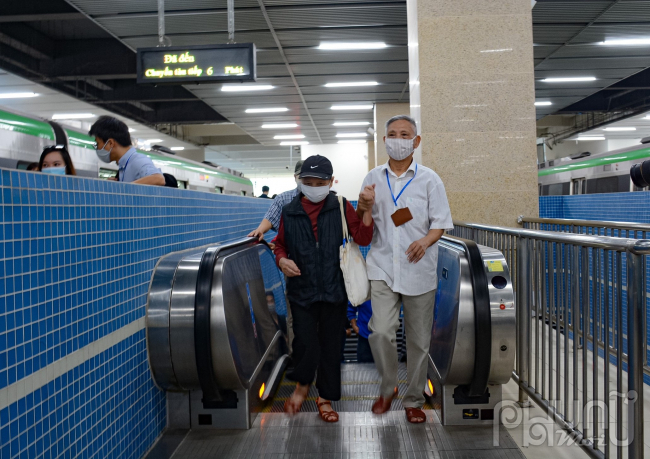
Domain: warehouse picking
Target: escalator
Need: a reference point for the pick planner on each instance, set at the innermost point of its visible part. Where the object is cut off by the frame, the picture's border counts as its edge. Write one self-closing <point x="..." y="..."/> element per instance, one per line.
<point x="216" y="336"/>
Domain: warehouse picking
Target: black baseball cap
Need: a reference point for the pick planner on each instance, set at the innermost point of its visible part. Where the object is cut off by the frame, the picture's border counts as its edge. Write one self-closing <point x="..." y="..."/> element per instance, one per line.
<point x="296" y="169"/>
<point x="317" y="166"/>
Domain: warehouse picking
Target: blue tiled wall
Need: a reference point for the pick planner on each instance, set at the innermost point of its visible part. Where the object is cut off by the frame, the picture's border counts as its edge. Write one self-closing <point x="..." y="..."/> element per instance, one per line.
<point x="76" y="257"/>
<point x="624" y="207"/>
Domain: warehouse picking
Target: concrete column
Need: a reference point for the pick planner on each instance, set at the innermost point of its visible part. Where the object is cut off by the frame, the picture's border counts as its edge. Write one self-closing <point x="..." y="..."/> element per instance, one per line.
<point x="472" y="92"/>
<point x="383" y="112"/>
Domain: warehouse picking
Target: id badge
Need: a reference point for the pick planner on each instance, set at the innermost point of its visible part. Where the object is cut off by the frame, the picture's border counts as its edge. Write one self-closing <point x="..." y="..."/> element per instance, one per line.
<point x="402" y="216"/>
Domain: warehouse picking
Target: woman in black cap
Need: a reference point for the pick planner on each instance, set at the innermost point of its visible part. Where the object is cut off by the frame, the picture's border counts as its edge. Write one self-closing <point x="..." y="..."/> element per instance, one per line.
<point x="307" y="251"/>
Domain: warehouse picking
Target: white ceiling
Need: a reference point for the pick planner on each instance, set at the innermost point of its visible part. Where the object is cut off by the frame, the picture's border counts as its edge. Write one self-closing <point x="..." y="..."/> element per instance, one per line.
<point x="48" y="102"/>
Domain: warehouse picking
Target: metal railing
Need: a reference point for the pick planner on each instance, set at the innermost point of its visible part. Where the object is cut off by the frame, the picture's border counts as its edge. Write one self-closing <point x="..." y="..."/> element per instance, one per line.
<point x="593" y="227"/>
<point x="580" y="303"/>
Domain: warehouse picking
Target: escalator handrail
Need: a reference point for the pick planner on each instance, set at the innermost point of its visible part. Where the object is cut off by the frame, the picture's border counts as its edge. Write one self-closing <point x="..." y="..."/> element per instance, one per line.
<point x="202" y="308"/>
<point x="482" y="316"/>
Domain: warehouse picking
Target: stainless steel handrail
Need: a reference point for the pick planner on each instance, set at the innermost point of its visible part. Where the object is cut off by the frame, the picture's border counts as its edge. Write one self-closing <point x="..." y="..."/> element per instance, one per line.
<point x="628" y="226"/>
<point x="572" y="286"/>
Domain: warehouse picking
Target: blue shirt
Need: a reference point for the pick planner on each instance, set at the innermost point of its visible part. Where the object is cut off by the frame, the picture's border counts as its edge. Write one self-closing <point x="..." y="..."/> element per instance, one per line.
<point x="275" y="211"/>
<point x="364" y="312"/>
<point x="134" y="166"/>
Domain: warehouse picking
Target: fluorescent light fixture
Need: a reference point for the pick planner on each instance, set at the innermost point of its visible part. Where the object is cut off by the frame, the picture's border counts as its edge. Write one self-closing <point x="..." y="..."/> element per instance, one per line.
<point x="543" y="104"/>
<point x="178" y="148"/>
<point x="72" y="116"/>
<point x="287" y="143"/>
<point x="131" y="130"/>
<point x="347" y="46"/>
<point x="279" y="126"/>
<point x="627" y="42"/>
<point x="267" y="110"/>
<point x="246" y="87"/>
<point x="352" y="107"/>
<point x="647" y="117"/>
<point x="352" y="134"/>
<point x="568" y="80"/>
<point x="350" y="84"/>
<point x="593" y="137"/>
<point x="287" y="137"/>
<point x="619" y="129"/>
<point x="152" y="140"/>
<point x="17" y="95"/>
<point x="352" y="123"/>
<point x="352" y="141"/>
<point x="502" y="50"/>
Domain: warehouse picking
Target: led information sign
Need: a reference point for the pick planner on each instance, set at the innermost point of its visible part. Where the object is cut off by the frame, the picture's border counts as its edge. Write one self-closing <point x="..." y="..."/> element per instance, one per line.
<point x="197" y="64"/>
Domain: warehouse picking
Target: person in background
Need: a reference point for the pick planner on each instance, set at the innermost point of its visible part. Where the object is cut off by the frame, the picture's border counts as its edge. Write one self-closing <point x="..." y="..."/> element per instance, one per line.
<point x="272" y="218"/>
<point x="307" y="252"/>
<point x="56" y="160"/>
<point x="265" y="192"/>
<point x="32" y="167"/>
<point x="113" y="143"/>
<point x="359" y="318"/>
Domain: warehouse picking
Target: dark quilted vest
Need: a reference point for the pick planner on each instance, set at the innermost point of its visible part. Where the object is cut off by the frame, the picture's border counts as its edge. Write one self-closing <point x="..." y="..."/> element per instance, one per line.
<point x="321" y="277"/>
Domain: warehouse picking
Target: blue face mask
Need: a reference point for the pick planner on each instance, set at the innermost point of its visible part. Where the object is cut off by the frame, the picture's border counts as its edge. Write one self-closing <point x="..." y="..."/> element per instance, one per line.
<point x="103" y="155"/>
<point x="54" y="170"/>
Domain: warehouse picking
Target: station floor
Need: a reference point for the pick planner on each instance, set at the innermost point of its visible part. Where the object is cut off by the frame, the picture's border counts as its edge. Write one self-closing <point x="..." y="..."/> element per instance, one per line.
<point x="358" y="434"/>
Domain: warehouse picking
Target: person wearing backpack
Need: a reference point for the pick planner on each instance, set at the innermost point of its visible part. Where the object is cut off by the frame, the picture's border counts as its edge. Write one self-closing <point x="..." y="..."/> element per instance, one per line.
<point x="307" y="252"/>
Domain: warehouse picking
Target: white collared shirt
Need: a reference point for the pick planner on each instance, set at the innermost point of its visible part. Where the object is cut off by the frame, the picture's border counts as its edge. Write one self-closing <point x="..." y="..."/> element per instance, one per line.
<point x="426" y="199"/>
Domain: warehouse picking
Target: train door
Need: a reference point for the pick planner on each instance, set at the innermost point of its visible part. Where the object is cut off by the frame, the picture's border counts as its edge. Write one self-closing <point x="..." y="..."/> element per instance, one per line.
<point x="579" y="186"/>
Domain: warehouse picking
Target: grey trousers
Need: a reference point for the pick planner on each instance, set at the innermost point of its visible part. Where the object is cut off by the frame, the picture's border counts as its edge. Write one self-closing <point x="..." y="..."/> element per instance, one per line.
<point x="418" y="321"/>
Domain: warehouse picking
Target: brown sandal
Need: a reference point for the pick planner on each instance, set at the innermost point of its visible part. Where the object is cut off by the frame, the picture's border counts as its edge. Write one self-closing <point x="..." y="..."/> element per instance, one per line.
<point x="327" y="416"/>
<point x="415" y="415"/>
<point x="382" y="404"/>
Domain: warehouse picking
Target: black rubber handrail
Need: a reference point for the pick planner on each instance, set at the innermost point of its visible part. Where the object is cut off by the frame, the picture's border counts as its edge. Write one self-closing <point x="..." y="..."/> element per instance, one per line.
<point x="202" y="342"/>
<point x="482" y="317"/>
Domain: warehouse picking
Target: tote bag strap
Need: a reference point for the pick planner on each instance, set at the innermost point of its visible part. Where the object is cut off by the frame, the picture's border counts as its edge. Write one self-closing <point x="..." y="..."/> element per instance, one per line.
<point x="346" y="235"/>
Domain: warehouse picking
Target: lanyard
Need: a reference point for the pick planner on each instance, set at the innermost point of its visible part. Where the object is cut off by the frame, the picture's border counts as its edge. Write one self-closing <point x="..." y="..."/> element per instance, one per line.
<point x="125" y="166"/>
<point x="405" y="186"/>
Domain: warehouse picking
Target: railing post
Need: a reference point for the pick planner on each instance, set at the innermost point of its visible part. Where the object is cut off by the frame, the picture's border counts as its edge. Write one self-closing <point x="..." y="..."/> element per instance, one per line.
<point x="635" y="350"/>
<point x="523" y="316"/>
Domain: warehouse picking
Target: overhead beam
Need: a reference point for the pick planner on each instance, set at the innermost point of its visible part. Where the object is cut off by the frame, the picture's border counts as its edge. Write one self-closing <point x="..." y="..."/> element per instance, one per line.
<point x="41" y="17"/>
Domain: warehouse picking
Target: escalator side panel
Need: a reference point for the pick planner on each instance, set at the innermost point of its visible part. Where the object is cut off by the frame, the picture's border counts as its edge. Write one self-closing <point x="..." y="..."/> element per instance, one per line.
<point x="242" y="328"/>
<point x="157" y="322"/>
<point x="181" y="331"/>
<point x="452" y="343"/>
<point x="503" y="320"/>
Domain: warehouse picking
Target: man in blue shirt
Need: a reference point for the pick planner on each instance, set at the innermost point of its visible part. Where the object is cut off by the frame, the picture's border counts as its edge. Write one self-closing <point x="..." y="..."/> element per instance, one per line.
<point x="113" y="143"/>
<point x="272" y="218"/>
<point x="359" y="318"/>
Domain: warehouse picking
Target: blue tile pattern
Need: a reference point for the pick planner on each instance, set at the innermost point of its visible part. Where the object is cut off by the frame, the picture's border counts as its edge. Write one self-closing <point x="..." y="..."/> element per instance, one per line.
<point x="76" y="258"/>
<point x="106" y="407"/>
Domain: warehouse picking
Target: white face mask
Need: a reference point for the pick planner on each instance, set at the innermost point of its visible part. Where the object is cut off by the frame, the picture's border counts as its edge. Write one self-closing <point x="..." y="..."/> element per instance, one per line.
<point x="315" y="193"/>
<point x="399" y="149"/>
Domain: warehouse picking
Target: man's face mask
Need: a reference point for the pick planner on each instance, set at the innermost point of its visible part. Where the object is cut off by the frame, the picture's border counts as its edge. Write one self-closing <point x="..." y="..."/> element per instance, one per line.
<point x="103" y="155"/>
<point x="399" y="149"/>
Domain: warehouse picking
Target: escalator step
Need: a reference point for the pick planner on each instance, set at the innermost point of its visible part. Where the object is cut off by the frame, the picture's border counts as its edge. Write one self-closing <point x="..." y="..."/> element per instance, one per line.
<point x="359" y="389"/>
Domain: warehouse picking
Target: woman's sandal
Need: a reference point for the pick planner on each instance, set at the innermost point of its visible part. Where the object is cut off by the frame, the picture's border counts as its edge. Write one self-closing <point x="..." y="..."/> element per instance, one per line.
<point x="327" y="416"/>
<point x="382" y="404"/>
<point x="415" y="415"/>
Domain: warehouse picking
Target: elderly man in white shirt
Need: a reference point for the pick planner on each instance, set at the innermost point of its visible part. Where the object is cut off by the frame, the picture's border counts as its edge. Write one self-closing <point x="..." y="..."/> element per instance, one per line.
<point x="411" y="213"/>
